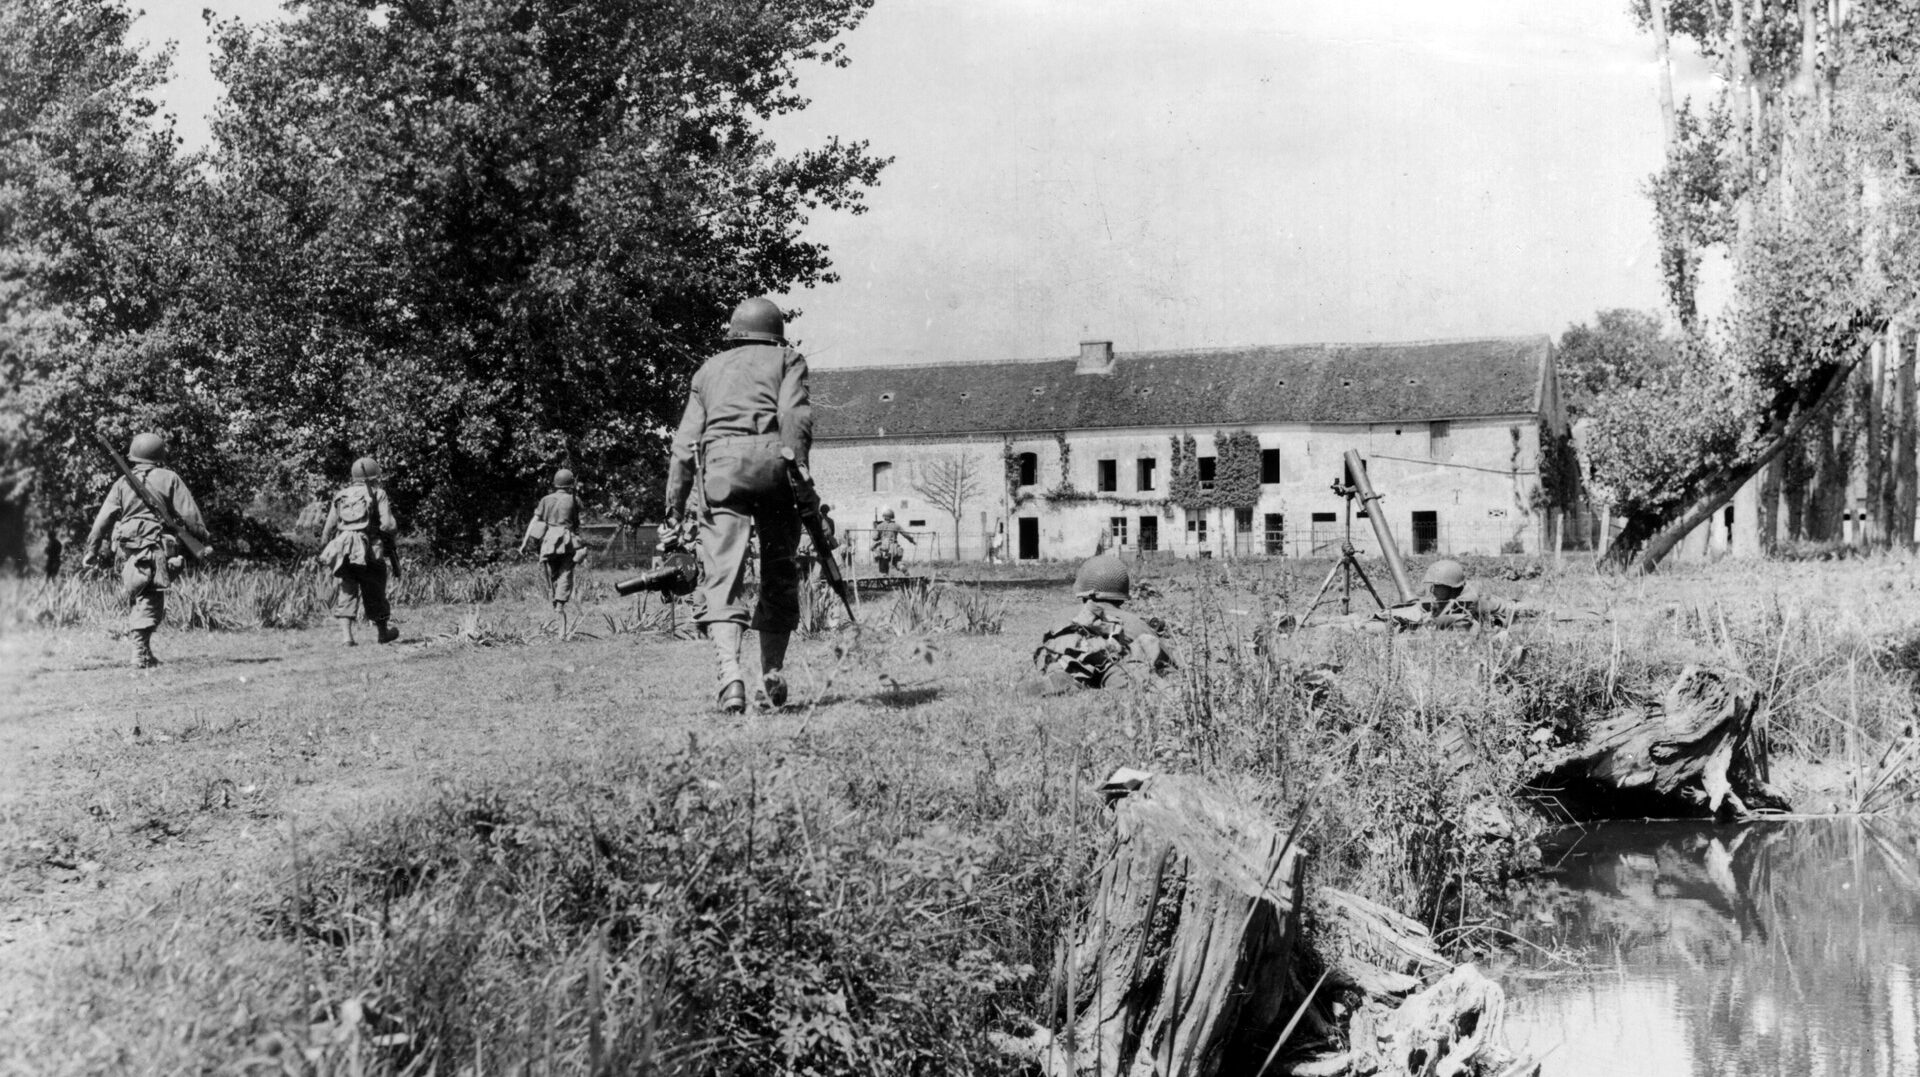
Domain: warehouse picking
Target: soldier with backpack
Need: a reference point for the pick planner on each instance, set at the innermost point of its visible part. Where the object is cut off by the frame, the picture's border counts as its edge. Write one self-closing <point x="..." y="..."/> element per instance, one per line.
<point x="357" y="547"/>
<point x="150" y="555"/>
<point x="556" y="527"/>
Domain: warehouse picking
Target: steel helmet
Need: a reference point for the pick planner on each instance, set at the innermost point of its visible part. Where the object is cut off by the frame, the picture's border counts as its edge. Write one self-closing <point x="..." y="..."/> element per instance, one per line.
<point x="1447" y="573"/>
<point x="366" y="468"/>
<point x="886" y="514"/>
<point x="563" y="479"/>
<point x="758" y="319"/>
<point x="148" y="448"/>
<point x="1104" y="577"/>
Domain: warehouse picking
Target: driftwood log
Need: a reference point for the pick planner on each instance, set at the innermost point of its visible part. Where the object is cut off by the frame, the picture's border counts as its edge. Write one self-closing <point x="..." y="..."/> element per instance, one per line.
<point x="1692" y="746"/>
<point x="1187" y="961"/>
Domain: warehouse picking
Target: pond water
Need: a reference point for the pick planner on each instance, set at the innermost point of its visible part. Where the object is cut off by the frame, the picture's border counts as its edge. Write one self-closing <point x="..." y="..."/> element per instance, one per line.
<point x="1785" y="948"/>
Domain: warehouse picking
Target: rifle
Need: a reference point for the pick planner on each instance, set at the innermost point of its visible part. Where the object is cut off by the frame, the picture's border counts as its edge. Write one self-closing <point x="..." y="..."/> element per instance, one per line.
<point x="807" y="500"/>
<point x="170" y="522"/>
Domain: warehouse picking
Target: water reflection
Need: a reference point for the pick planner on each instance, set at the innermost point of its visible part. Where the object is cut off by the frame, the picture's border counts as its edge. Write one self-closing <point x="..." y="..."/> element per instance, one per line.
<point x="1771" y="949"/>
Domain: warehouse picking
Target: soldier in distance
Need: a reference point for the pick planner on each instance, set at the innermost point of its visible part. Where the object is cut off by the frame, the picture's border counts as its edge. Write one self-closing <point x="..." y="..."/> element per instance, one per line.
<point x="356" y="546"/>
<point x="887" y="534"/>
<point x="556" y="527"/>
<point x="744" y="406"/>
<point x="149" y="555"/>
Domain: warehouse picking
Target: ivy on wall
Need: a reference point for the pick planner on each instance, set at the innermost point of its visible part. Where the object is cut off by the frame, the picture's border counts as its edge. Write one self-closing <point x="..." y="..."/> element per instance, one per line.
<point x="1236" y="472"/>
<point x="1559" y="472"/>
<point x="1183" y="476"/>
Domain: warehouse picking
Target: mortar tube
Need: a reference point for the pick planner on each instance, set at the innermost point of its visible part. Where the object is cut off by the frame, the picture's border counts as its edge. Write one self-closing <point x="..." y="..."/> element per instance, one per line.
<point x="1370" y="501"/>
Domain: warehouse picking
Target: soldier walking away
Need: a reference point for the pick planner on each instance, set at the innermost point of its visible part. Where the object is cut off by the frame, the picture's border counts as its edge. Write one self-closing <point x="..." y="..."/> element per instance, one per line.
<point x="149" y="554"/>
<point x="745" y="405"/>
<point x="357" y="546"/>
<point x="556" y="527"/>
<point x="886" y="542"/>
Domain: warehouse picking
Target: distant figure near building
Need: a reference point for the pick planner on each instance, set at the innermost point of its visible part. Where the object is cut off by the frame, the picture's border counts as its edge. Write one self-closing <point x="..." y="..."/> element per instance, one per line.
<point x="997" y="545"/>
<point x="887" y="534"/>
<point x="357" y="546"/>
<point x="556" y="527"/>
<point x="745" y="405"/>
<point x="149" y="555"/>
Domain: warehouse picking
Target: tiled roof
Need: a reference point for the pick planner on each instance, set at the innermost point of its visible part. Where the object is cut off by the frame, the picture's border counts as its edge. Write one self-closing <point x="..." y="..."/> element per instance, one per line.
<point x="1311" y="383"/>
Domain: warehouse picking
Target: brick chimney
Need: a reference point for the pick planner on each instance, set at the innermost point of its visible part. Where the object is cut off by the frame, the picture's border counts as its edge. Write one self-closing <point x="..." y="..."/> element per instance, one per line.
<point x="1096" y="357"/>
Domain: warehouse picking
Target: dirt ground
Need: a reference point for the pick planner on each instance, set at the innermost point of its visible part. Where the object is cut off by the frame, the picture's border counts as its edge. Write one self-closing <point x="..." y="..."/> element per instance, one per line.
<point x="115" y="785"/>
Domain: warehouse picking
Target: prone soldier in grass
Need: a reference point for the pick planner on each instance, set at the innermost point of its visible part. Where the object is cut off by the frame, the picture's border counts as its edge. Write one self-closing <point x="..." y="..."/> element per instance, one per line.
<point x="145" y="537"/>
<point x="556" y="527"/>
<point x="357" y="546"/>
<point x="745" y="405"/>
<point x="1102" y="644"/>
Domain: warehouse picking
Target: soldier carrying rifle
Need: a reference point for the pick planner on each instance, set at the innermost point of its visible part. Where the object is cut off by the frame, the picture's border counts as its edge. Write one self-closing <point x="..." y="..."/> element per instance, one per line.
<point x="746" y="404"/>
<point x="556" y="528"/>
<point x="153" y="515"/>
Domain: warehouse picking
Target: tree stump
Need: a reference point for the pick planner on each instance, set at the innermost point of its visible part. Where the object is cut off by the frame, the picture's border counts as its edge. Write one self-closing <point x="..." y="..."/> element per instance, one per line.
<point x="1182" y="961"/>
<point x="1185" y="963"/>
<point x="1692" y="746"/>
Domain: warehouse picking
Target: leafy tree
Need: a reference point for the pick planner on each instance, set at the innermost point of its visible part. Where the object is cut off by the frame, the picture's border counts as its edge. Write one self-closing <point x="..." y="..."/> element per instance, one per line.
<point x="483" y="238"/>
<point x="1802" y="172"/>
<point x="92" y="197"/>
<point x="948" y="483"/>
<point x="1623" y="349"/>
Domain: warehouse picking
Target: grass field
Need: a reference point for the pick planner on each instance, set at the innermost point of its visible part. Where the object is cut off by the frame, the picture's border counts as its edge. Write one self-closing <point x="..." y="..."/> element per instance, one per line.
<point x="485" y="847"/>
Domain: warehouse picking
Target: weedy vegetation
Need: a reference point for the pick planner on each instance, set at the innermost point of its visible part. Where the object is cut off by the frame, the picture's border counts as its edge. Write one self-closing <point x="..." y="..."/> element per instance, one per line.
<point x="571" y="864"/>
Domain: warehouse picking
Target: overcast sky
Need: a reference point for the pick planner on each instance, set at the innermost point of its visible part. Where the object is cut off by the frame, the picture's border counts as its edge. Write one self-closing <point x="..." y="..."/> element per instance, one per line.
<point x="1195" y="173"/>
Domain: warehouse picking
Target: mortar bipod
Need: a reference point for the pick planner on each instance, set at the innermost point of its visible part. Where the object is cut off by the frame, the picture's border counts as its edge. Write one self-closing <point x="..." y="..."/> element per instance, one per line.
<point x="1350" y="485"/>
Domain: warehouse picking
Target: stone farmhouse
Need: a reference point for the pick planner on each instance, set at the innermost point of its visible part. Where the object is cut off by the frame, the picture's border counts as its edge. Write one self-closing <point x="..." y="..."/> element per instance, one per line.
<point x="1225" y="452"/>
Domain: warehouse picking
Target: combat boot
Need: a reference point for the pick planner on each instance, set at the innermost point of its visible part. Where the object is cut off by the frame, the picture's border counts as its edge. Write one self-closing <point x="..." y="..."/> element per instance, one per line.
<point x="726" y="647"/>
<point x="773" y="667"/>
<point x="143" y="649"/>
<point x="385" y="633"/>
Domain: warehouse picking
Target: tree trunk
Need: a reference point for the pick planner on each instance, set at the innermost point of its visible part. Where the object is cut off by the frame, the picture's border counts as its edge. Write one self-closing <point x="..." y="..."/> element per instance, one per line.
<point x="1873" y="530"/>
<point x="1740" y="94"/>
<point x="1906" y="466"/>
<point x="1770" y="490"/>
<point x="15" y="488"/>
<point x="1692" y="747"/>
<point x="1662" y="59"/>
<point x="1650" y="536"/>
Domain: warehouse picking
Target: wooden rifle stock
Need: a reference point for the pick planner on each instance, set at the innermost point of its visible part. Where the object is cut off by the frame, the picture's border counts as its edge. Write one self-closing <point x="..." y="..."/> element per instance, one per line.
<point x="807" y="500"/>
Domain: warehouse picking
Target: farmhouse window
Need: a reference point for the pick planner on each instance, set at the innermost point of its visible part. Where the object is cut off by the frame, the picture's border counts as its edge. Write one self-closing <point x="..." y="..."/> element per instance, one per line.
<point x="1143" y="473"/>
<point x="1118" y="527"/>
<point x="1029" y="468"/>
<point x="1440" y="440"/>
<point x="1149" y="533"/>
<point x="1197" y="529"/>
<point x="1276" y="534"/>
<point x="1269" y="466"/>
<point x="1206" y="472"/>
<point x="882" y="477"/>
<point x="1109" y="476"/>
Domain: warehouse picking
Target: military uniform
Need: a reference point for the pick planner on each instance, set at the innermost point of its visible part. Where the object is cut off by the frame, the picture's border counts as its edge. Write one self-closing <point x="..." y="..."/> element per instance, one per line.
<point x="745" y="406"/>
<point x="556" y="527"/>
<point x="1101" y="645"/>
<point x="355" y="546"/>
<point x="886" y="543"/>
<point x="148" y="555"/>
